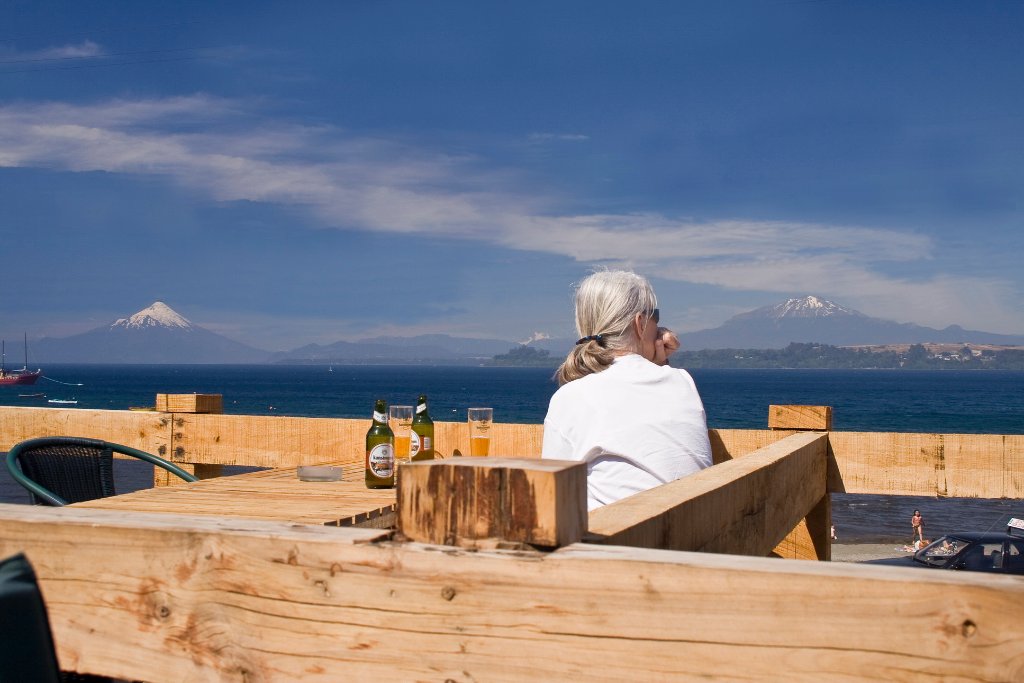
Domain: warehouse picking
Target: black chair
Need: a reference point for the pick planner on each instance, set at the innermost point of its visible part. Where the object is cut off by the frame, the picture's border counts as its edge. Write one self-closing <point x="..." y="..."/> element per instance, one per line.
<point x="59" y="470"/>
<point x="26" y="649"/>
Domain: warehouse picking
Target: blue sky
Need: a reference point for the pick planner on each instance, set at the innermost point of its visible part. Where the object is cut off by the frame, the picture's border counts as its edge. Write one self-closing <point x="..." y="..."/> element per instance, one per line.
<point x="288" y="173"/>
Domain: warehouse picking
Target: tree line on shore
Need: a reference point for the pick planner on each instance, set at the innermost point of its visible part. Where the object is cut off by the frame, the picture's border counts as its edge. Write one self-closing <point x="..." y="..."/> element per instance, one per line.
<point x="807" y="355"/>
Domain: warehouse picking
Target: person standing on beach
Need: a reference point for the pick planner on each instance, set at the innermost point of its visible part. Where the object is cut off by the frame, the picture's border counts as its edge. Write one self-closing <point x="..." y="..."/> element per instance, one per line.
<point x="637" y="422"/>
<point x="917" y="523"/>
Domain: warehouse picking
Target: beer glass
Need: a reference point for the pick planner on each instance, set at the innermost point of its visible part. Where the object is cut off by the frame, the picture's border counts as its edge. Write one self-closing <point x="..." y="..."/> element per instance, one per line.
<point x="480" y="431"/>
<point x="400" y="421"/>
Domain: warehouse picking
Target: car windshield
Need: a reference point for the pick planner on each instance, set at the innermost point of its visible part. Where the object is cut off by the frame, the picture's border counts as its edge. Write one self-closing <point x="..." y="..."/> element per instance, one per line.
<point x="939" y="552"/>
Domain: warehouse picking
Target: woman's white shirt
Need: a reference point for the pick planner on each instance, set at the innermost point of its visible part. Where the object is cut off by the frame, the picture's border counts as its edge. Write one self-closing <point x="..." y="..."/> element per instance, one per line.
<point x="636" y="424"/>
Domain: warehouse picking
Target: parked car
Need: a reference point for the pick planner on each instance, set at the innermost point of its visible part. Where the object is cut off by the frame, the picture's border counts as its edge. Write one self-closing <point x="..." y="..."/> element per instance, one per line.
<point x="999" y="552"/>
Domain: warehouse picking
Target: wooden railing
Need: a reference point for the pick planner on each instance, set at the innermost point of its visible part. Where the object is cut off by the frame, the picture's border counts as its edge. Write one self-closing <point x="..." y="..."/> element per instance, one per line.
<point x="951" y="464"/>
<point x="472" y="591"/>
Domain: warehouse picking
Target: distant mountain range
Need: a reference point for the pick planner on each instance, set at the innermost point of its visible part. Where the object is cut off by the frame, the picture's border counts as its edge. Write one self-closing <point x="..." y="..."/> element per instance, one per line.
<point x="158" y="334"/>
<point x="426" y="348"/>
<point x="812" y="319"/>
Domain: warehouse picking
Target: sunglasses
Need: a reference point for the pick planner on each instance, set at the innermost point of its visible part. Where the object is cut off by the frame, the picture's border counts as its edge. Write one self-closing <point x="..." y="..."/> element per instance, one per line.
<point x="655" y="315"/>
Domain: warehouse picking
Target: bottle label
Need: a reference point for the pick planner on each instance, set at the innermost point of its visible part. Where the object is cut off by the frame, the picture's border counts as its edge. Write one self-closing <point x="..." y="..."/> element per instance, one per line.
<point x="380" y="417"/>
<point x="421" y="408"/>
<point x="381" y="460"/>
<point x="414" y="444"/>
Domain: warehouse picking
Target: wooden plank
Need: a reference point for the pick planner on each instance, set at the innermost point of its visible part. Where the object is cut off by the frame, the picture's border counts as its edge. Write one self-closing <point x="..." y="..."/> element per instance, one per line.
<point x="276" y="441"/>
<point x="162" y="477"/>
<point x="474" y="501"/>
<point x="964" y="465"/>
<point x="267" y="441"/>
<point x="146" y="431"/>
<point x="189" y="403"/>
<point x="269" y="494"/>
<point x="986" y="465"/>
<point x="888" y="463"/>
<point x="800" y="417"/>
<point x="744" y="506"/>
<point x="727" y="444"/>
<point x="811" y="539"/>
<point x="507" y="440"/>
<point x="235" y="600"/>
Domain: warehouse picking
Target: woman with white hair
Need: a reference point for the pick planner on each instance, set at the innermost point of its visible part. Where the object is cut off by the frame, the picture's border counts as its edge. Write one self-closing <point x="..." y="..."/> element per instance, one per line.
<point x="635" y="421"/>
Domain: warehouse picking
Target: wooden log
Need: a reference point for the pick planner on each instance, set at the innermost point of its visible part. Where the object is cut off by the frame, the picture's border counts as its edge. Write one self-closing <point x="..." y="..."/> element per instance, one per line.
<point x="800" y="417"/>
<point x="744" y="506"/>
<point x="160" y="598"/>
<point x="483" y="501"/>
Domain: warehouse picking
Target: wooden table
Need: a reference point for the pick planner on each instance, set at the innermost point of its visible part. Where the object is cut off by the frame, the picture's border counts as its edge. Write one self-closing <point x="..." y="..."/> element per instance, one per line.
<point x="276" y="494"/>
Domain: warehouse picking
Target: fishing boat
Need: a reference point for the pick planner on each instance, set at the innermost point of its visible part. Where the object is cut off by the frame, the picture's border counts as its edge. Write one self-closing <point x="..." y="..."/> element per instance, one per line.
<point x="23" y="376"/>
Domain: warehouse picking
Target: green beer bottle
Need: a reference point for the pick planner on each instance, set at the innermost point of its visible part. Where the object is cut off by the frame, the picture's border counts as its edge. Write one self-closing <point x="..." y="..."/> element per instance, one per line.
<point x="422" y="447"/>
<point x="380" y="450"/>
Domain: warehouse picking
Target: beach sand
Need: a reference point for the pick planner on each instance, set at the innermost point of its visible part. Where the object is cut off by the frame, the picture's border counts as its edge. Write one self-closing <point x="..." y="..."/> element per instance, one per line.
<point x="863" y="552"/>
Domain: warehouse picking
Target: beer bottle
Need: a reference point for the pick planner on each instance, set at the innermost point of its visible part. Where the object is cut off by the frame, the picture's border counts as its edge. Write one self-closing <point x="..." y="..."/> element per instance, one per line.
<point x="380" y="450"/>
<point x="422" y="447"/>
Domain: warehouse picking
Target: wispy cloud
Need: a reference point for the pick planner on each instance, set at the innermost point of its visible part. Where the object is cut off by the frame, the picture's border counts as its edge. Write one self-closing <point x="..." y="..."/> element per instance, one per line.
<point x="83" y="50"/>
<point x="558" y="137"/>
<point x="227" y="150"/>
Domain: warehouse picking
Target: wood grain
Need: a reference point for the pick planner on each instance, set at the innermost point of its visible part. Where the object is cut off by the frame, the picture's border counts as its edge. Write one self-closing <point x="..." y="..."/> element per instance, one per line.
<point x="467" y="501"/>
<point x="163" y="598"/>
<point x="745" y="506"/>
<point x="817" y="418"/>
<point x="887" y="463"/>
<point x="271" y="495"/>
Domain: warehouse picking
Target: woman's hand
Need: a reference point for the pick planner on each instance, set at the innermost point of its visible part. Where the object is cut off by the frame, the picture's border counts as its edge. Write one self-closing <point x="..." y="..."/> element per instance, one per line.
<point x="665" y="344"/>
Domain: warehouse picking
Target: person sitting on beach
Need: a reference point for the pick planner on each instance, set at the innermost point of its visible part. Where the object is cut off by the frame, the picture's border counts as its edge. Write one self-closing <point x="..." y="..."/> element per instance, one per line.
<point x="635" y="421"/>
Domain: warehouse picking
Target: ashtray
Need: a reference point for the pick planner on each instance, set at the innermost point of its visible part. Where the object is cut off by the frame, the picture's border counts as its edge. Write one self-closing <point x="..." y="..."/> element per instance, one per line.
<point x="319" y="473"/>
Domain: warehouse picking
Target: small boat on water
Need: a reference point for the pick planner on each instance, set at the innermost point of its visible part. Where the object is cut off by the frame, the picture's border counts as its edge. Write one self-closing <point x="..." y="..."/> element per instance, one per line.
<point x="65" y="401"/>
<point x="39" y="395"/>
<point x="21" y="377"/>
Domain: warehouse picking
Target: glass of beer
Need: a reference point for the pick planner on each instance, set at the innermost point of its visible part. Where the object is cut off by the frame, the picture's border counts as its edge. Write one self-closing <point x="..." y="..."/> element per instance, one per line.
<point x="400" y="421"/>
<point x="480" y="431"/>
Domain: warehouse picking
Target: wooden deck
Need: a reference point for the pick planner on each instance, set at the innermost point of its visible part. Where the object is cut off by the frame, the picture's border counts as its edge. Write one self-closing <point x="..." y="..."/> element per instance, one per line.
<point x="246" y="588"/>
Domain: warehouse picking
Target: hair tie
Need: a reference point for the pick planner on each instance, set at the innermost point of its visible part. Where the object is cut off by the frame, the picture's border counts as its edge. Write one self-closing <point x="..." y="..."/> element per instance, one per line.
<point x="591" y="337"/>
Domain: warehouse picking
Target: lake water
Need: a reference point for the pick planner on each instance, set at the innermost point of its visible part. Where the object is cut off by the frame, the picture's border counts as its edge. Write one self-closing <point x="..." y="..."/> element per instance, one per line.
<point x="862" y="400"/>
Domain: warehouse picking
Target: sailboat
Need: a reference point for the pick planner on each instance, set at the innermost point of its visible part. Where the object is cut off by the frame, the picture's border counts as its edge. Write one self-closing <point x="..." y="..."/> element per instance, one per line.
<point x="23" y="376"/>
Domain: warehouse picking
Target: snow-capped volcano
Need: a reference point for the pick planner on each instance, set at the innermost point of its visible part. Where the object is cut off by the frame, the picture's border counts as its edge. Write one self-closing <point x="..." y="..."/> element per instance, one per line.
<point x="813" y="319"/>
<point x="808" y="307"/>
<point x="157" y="334"/>
<point x="157" y="315"/>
